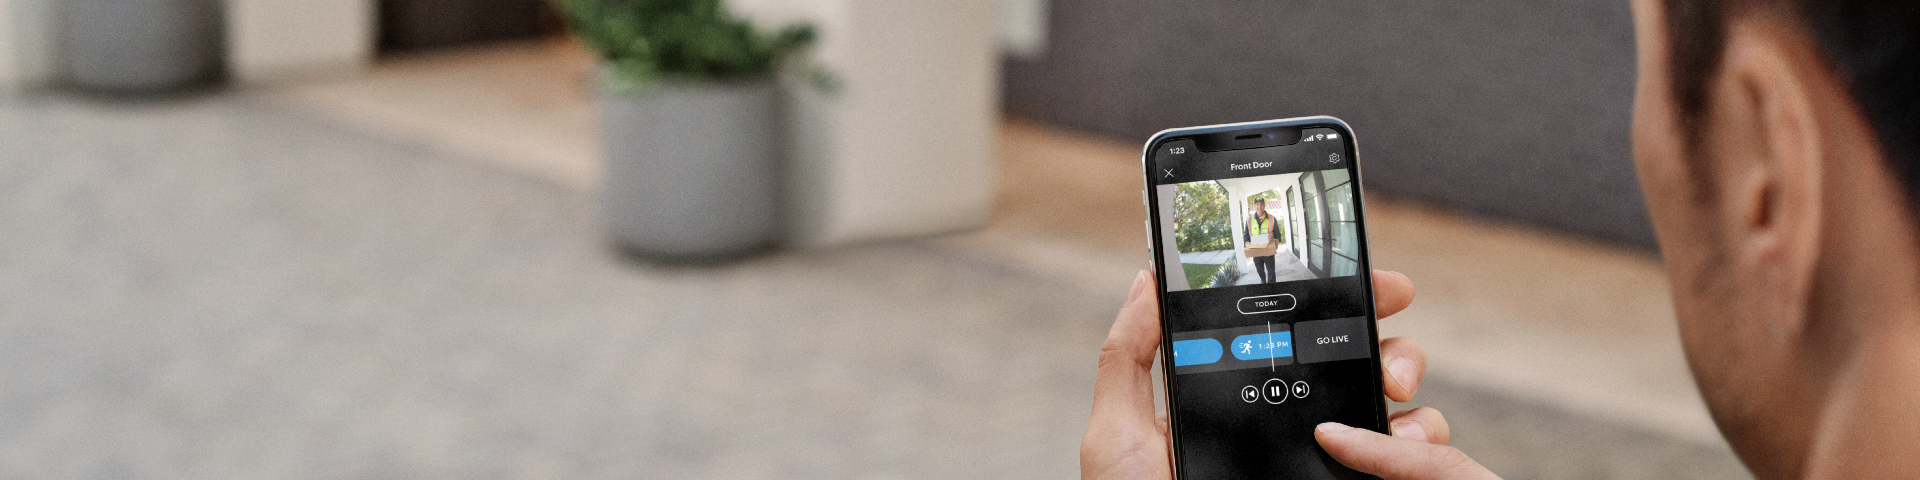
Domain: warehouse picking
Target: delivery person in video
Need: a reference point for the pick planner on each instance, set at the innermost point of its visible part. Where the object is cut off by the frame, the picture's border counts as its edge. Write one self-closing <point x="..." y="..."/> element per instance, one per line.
<point x="1259" y="224"/>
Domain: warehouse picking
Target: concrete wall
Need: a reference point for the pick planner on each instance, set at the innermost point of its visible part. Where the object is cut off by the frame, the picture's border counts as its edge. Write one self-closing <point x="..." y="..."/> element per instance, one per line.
<point x="905" y="146"/>
<point x="1510" y="109"/>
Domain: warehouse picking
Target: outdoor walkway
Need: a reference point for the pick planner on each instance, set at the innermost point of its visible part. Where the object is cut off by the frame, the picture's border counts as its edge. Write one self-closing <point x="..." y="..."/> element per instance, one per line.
<point x="1215" y="257"/>
<point x="265" y="285"/>
<point x="1286" y="268"/>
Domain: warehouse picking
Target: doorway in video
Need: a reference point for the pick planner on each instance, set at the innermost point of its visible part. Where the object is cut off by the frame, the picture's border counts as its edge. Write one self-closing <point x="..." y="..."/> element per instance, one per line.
<point x="1266" y="229"/>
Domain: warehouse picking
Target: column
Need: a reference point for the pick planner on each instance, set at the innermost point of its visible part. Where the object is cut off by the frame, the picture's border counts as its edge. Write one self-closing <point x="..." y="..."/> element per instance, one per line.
<point x="273" y="40"/>
<point x="906" y="146"/>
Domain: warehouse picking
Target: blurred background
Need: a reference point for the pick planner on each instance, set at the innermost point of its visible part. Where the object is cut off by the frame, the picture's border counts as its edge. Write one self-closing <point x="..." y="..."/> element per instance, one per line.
<point x="365" y="238"/>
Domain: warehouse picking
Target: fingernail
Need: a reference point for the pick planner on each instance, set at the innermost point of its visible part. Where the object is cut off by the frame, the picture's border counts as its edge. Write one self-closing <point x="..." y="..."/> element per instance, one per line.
<point x="1139" y="281"/>
<point x="1410" y="430"/>
<point x="1403" y="372"/>
<point x="1332" y="427"/>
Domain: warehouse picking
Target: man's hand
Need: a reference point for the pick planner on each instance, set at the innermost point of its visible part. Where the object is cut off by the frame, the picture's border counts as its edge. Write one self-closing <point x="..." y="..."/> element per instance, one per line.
<point x="1126" y="440"/>
<point x="1415" y="451"/>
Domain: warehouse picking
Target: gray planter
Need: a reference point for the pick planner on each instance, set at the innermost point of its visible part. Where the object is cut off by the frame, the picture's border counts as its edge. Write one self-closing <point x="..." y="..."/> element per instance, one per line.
<point x="692" y="171"/>
<point x="140" y="46"/>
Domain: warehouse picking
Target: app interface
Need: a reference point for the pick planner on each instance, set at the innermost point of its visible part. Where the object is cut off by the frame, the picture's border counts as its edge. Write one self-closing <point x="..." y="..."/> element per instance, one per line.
<point x="1266" y="304"/>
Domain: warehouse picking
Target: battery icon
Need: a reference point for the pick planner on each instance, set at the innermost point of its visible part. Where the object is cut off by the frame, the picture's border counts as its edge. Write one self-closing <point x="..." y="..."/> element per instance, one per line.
<point x="1332" y="136"/>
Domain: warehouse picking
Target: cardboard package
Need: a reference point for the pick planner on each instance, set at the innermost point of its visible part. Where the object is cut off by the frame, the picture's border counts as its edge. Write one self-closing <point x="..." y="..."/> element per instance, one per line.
<point x="1263" y="251"/>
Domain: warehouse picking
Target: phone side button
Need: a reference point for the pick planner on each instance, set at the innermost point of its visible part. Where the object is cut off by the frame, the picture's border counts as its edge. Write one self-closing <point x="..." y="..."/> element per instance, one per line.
<point x="1152" y="259"/>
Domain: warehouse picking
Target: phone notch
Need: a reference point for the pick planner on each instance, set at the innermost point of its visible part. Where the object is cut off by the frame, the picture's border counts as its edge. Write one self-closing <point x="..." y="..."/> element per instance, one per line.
<point x="1248" y="138"/>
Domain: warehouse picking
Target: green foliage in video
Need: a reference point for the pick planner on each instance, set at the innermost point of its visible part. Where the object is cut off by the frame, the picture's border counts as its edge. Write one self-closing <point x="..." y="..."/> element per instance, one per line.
<point x="1200" y="217"/>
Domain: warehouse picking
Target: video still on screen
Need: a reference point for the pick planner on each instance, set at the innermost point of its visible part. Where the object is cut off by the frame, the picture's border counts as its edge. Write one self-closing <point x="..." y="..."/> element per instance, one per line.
<point x="1266" y="229"/>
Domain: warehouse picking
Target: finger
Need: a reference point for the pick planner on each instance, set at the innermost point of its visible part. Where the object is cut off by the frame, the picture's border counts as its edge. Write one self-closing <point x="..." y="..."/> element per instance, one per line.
<point x="1392" y="292"/>
<point x="1405" y="363"/>
<point x="1124" y="437"/>
<point x="1424" y="424"/>
<point x="1123" y="387"/>
<point x="1165" y="425"/>
<point x="1394" y="457"/>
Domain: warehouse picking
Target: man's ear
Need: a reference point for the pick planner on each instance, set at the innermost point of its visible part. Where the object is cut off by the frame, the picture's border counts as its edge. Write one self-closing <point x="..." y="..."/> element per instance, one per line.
<point x="1770" y="162"/>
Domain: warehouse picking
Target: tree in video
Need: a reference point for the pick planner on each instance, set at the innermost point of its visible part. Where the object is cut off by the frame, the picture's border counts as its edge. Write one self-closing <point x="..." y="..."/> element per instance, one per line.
<point x="1201" y="225"/>
<point x="1200" y="217"/>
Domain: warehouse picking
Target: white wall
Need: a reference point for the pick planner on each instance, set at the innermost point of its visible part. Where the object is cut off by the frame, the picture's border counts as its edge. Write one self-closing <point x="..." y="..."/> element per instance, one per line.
<point x="273" y="40"/>
<point x="906" y="146"/>
<point x="1023" y="27"/>
<point x="26" y="43"/>
<point x="1297" y="233"/>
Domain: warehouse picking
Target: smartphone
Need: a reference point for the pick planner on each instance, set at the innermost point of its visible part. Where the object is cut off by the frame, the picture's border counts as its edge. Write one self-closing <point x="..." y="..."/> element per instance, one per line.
<point x="1259" y="345"/>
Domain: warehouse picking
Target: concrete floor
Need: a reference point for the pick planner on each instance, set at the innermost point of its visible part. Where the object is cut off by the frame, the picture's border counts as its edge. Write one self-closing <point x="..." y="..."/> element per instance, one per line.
<point x="339" y="280"/>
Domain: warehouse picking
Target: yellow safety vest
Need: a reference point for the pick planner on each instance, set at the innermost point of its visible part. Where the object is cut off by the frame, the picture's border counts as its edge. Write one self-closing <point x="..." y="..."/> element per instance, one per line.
<point x="1261" y="227"/>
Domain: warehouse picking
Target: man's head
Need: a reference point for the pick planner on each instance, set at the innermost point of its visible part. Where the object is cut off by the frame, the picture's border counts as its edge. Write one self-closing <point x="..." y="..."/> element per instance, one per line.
<point x="1259" y="206"/>
<point x="1778" y="148"/>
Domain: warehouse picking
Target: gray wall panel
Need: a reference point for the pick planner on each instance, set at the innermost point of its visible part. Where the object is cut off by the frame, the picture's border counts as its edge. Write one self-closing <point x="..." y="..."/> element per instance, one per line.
<point x="1513" y="109"/>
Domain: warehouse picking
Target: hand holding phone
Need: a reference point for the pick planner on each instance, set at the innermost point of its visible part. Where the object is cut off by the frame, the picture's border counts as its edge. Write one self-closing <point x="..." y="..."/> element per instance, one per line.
<point x="1265" y="301"/>
<point x="1126" y="440"/>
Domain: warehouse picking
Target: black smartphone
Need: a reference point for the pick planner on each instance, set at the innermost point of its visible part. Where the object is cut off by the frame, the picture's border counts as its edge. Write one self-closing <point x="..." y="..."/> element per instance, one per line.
<point x="1266" y="295"/>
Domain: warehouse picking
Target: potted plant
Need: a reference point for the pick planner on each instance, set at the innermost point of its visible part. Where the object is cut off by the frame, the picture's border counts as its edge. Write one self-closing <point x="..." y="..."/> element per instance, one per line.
<point x="689" y="112"/>
<point x="139" y="46"/>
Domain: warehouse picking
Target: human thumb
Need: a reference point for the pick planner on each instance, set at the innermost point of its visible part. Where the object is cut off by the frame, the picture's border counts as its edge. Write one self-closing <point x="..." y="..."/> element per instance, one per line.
<point x="1395" y="458"/>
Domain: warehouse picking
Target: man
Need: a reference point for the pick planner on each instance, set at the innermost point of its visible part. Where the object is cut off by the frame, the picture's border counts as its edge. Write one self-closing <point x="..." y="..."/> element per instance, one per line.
<point x="1261" y="224"/>
<point x="1778" y="145"/>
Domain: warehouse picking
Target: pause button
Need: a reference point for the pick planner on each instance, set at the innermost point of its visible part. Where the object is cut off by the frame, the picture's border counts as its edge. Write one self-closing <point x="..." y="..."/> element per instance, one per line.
<point x="1275" y="391"/>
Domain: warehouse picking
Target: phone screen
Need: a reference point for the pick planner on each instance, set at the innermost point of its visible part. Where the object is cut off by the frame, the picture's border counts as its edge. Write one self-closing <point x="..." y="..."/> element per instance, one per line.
<point x="1266" y="300"/>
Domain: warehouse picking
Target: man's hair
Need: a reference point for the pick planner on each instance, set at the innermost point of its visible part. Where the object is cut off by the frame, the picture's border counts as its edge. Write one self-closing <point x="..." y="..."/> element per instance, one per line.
<point x="1873" y="45"/>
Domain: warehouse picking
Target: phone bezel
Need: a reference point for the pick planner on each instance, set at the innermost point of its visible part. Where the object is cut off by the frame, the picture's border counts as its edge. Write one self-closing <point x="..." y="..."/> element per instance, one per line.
<point x="1151" y="201"/>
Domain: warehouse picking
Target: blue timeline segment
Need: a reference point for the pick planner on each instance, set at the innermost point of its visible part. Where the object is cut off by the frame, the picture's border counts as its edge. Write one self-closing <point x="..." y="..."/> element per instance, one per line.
<point x="1258" y="346"/>
<point x="1253" y="346"/>
<point x="1270" y="345"/>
